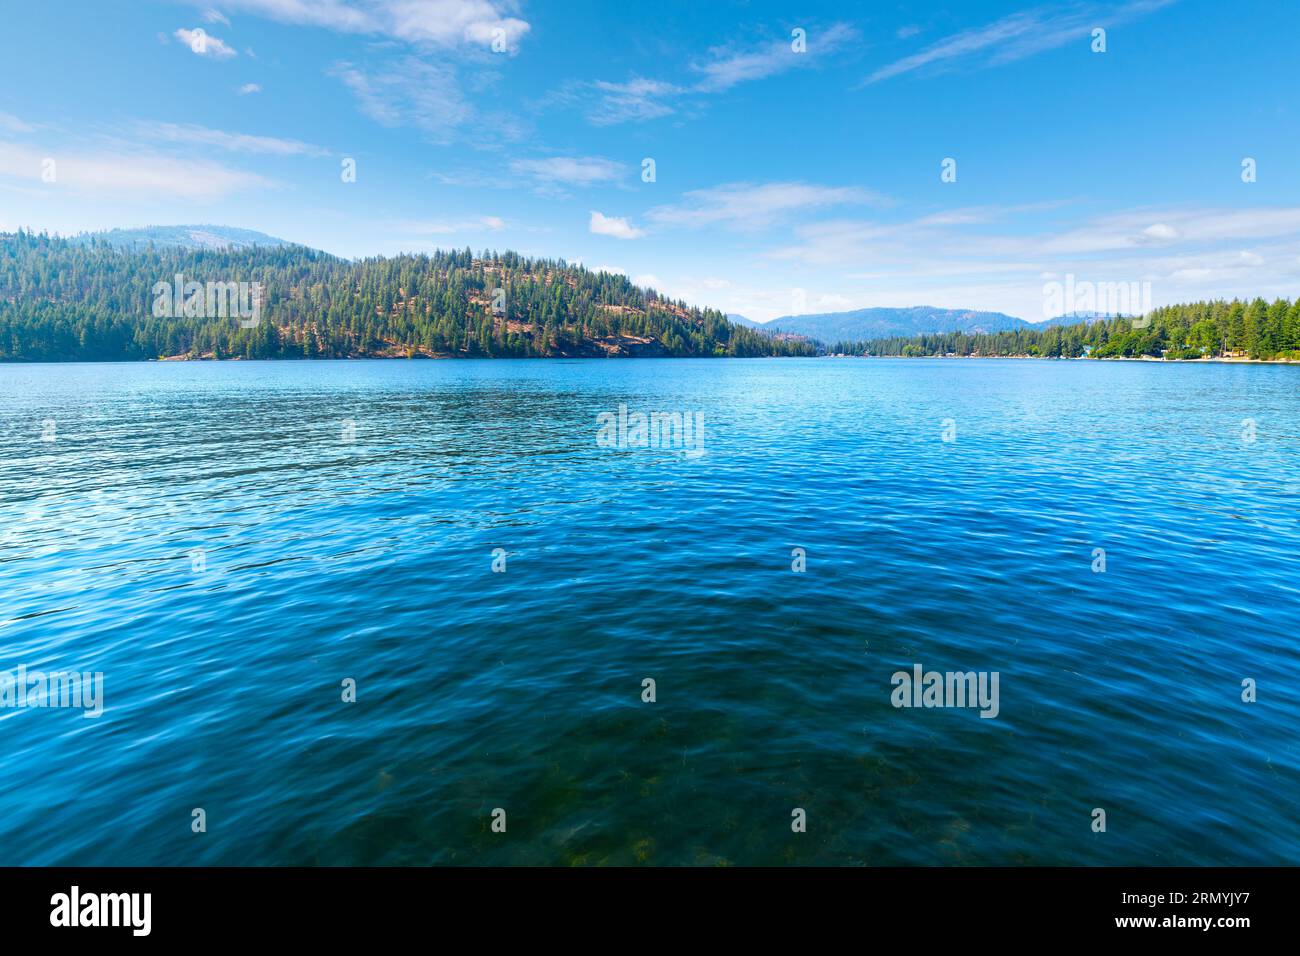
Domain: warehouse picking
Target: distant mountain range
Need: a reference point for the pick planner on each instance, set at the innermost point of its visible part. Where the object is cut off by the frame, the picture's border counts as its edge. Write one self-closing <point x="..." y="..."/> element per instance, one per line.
<point x="183" y="237"/>
<point x="882" y="323"/>
<point x="830" y="327"/>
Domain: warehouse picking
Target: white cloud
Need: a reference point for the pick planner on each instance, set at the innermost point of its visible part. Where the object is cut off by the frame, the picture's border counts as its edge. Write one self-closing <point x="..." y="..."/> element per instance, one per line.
<point x="249" y="88"/>
<point x="215" y="16"/>
<point x="746" y="206"/>
<point x="446" y="23"/>
<point x="204" y="44"/>
<point x="331" y="14"/>
<point x="193" y="135"/>
<point x="615" y="226"/>
<point x="114" y="174"/>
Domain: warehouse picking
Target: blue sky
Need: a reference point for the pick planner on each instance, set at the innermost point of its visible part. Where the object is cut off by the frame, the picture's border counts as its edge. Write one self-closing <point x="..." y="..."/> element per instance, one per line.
<point x="785" y="181"/>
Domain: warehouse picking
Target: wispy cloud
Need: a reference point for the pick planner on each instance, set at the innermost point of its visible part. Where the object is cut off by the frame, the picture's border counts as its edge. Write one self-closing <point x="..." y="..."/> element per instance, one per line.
<point x="976" y="260"/>
<point x="1018" y="36"/>
<point x="249" y="88"/>
<point x="422" y="87"/>
<point x="968" y="240"/>
<point x="446" y="23"/>
<point x="640" y="98"/>
<point x="1148" y="229"/>
<point x="193" y="135"/>
<point x="553" y="173"/>
<point x="636" y="100"/>
<point x="12" y="124"/>
<point x="748" y="206"/>
<point x="114" y="174"/>
<point x="410" y="92"/>
<point x="726" y="67"/>
<point x="616" y="226"/>
<point x="447" y="227"/>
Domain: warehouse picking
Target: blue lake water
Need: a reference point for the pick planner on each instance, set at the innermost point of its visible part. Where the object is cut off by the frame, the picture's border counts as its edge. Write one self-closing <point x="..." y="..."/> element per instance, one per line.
<point x="228" y="543"/>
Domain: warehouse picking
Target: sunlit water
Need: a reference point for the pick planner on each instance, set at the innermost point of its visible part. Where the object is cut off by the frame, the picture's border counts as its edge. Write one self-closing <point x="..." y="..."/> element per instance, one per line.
<point x="323" y="559"/>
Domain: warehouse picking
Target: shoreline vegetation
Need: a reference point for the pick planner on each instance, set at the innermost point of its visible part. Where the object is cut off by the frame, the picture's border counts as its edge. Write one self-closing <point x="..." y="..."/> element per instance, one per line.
<point x="63" y="300"/>
<point x="92" y="301"/>
<point x="1255" y="331"/>
<point x="1203" y="360"/>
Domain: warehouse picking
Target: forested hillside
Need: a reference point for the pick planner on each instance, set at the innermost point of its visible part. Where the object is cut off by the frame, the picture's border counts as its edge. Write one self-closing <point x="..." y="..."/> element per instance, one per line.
<point x="1258" y="329"/>
<point x="64" y="300"/>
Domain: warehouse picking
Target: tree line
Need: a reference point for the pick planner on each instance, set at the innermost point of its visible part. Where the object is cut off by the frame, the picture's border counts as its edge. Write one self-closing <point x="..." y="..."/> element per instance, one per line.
<point x="1257" y="329"/>
<point x="85" y="300"/>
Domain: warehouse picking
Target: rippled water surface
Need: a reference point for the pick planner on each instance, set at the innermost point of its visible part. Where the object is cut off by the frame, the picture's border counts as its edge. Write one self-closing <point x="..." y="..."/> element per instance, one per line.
<point x="322" y="559"/>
